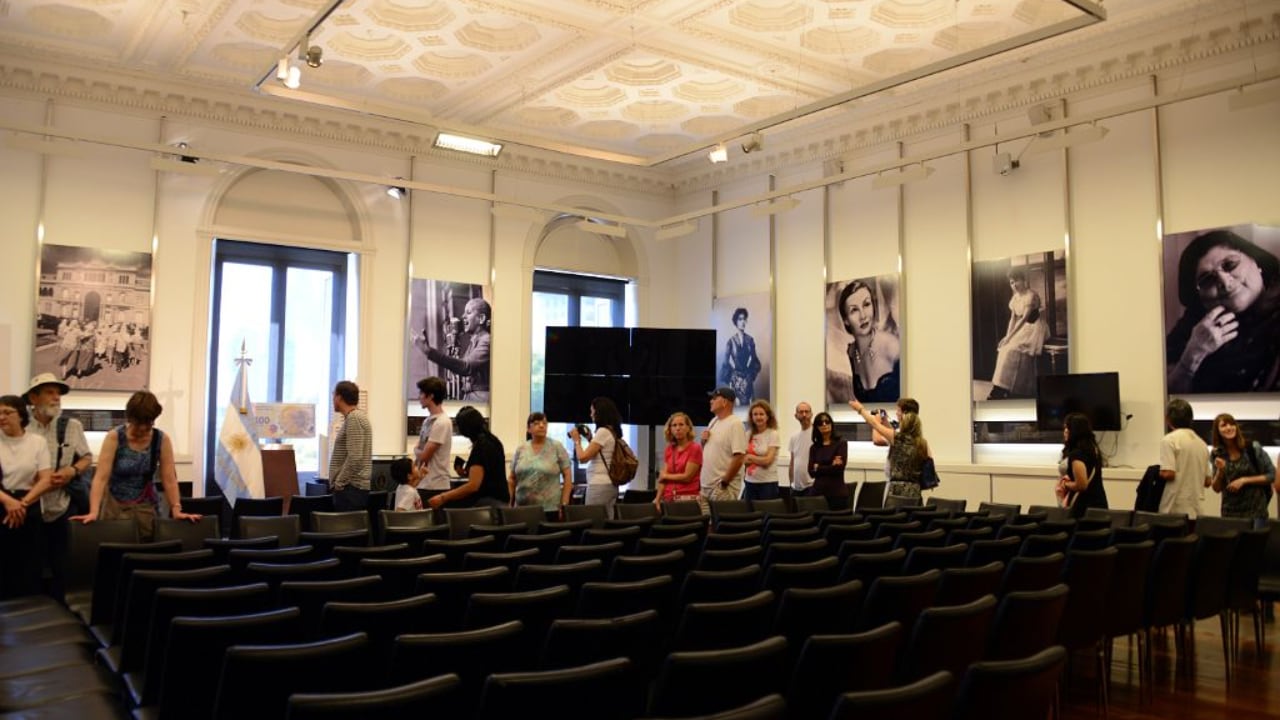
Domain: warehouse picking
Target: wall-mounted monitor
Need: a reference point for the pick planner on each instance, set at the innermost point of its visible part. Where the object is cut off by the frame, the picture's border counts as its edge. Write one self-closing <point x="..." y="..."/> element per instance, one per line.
<point x="588" y="350"/>
<point x="1097" y="395"/>
<point x="567" y="398"/>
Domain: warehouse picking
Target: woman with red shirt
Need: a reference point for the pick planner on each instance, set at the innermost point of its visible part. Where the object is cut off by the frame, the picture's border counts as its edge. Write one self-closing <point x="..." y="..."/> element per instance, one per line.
<point x="683" y="461"/>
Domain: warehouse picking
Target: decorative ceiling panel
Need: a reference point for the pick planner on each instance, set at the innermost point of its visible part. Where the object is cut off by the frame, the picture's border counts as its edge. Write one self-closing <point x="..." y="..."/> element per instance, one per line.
<point x="637" y="81"/>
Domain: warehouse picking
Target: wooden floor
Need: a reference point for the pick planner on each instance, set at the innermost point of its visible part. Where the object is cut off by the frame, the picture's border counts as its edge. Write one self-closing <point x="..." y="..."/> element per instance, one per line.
<point x="1254" y="692"/>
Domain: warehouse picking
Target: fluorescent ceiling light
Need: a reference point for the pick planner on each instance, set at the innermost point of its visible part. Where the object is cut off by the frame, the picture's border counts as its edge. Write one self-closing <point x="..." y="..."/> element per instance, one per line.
<point x="671" y="232"/>
<point x="44" y="146"/>
<point x="718" y="154"/>
<point x="902" y="177"/>
<point x="1063" y="139"/>
<point x="449" y="141"/>
<point x="781" y="205"/>
<point x="183" y="167"/>
<point x="1253" y="97"/>
<point x="600" y="228"/>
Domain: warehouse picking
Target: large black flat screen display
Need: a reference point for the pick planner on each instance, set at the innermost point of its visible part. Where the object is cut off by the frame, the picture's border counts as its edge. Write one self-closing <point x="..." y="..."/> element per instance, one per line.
<point x="1097" y="395"/>
<point x="647" y="372"/>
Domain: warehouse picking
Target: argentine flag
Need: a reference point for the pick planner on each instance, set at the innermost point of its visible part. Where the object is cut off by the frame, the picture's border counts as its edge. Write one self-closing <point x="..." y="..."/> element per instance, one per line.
<point x="238" y="465"/>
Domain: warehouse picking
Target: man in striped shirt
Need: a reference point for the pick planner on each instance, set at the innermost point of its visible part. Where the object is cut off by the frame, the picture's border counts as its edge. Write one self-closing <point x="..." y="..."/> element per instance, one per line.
<point x="351" y="464"/>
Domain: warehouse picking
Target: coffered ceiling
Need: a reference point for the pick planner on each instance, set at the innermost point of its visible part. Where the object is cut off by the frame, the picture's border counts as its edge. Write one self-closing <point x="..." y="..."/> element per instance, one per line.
<point x="634" y="81"/>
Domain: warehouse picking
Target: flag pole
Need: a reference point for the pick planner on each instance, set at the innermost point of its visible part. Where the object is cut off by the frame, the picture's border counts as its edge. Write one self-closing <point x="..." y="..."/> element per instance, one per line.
<point x="241" y="362"/>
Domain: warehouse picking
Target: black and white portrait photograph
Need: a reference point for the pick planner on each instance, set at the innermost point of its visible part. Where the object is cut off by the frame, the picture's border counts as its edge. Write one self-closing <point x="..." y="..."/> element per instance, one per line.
<point x="744" y="344"/>
<point x="449" y="325"/>
<point x="1019" y="323"/>
<point x="1222" y="310"/>
<point x="93" y="318"/>
<point x="864" y="340"/>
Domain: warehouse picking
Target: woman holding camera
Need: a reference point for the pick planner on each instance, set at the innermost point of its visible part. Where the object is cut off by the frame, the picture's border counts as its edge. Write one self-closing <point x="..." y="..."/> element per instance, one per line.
<point x="907" y="447"/>
<point x="598" y="452"/>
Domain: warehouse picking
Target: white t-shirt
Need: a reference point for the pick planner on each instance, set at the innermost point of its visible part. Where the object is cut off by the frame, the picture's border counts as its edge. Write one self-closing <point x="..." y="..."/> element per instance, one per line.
<point x="1183" y="452"/>
<point x="799" y="449"/>
<point x="21" y="458"/>
<point x="760" y="443"/>
<point x="407" y="498"/>
<point x="438" y="429"/>
<point x="728" y="438"/>
<point x="597" y="473"/>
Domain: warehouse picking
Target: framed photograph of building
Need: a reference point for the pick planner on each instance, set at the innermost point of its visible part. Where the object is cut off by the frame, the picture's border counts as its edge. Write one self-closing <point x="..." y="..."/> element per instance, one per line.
<point x="93" y="318"/>
<point x="863" y="340"/>
<point x="449" y="326"/>
<point x="744" y="345"/>
<point x="1222" y="310"/>
<point x="1019" y="323"/>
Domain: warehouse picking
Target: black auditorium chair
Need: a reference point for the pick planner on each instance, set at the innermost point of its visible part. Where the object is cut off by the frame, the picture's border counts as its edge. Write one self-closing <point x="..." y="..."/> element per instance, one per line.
<point x="404" y="702"/>
<point x="681" y="687"/>
<point x="605" y="690"/>
<point x="926" y="699"/>
<point x="831" y="665"/>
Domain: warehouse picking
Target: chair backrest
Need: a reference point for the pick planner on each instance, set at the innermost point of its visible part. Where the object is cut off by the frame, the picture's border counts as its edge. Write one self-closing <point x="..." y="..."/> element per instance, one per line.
<point x="406" y="518"/>
<point x="1005" y="509"/>
<point x="771" y="506"/>
<point x="479" y="560"/>
<point x="607" y="690"/>
<point x="258" y="506"/>
<point x="275" y="573"/>
<point x="898" y="598"/>
<point x="383" y="621"/>
<point x="1032" y="573"/>
<point x="134" y="624"/>
<point x="1020" y="689"/>
<point x="682" y="683"/>
<point x="240" y="557"/>
<point x="605" y="552"/>
<point x="310" y="596"/>
<point x="285" y="527"/>
<point x="1207" y="576"/>
<point x="460" y="520"/>
<point x="456" y="550"/>
<point x="471" y="654"/>
<point x="701" y="586"/>
<point x="829" y="665"/>
<point x="868" y="567"/>
<point x="1042" y="545"/>
<point x="870" y="495"/>
<point x="414" y="700"/>
<point x="454" y="589"/>
<point x="1051" y="512"/>
<point x="716" y="625"/>
<point x="902" y="501"/>
<point x="257" y="680"/>
<point x="194" y="653"/>
<point x="105" y="566"/>
<point x="1026" y="623"/>
<point x="339" y="521"/>
<point x="1088" y="574"/>
<point x="531" y="515"/>
<point x="574" y="642"/>
<point x="964" y="585"/>
<point x="1126" y="594"/>
<point x="822" y="572"/>
<point x="535" y="576"/>
<point x="1003" y="550"/>
<point x="798" y="551"/>
<point x="222" y="547"/>
<point x="723" y="507"/>
<point x="947" y="637"/>
<point x="1166" y="588"/>
<point x="922" y="558"/>
<point x="633" y="511"/>
<point x="830" y="610"/>
<point x="1246" y="569"/>
<point x="810" y="503"/>
<point x="535" y="608"/>
<point x="638" y="567"/>
<point x="680" y="509"/>
<point x="614" y="599"/>
<point x="731" y="540"/>
<point x="597" y="514"/>
<point x="948" y="504"/>
<point x="191" y="534"/>
<point x="925" y="699"/>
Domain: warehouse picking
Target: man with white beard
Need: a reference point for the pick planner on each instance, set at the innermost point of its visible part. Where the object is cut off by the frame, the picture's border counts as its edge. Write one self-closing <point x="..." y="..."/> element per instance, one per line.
<point x="69" y="451"/>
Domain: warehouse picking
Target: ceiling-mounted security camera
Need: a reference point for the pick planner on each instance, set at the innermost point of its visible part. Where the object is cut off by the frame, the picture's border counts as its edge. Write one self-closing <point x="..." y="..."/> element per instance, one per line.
<point x="754" y="142"/>
<point x="1005" y="163"/>
<point x="314" y="56"/>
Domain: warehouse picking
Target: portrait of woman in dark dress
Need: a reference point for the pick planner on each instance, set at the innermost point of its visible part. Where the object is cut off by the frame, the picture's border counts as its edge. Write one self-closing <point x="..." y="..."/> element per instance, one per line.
<point x="874" y="352"/>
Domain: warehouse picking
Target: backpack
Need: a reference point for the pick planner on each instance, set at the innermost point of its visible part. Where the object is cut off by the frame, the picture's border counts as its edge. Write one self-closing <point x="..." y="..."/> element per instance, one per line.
<point x="625" y="464"/>
<point x="1150" y="488"/>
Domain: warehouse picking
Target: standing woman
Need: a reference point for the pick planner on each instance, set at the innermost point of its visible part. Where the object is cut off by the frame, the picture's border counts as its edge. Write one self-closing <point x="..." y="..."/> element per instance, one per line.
<point x="907" y="449"/>
<point x="762" y="454"/>
<point x="682" y="462"/>
<point x="486" y="480"/>
<point x="1080" y="470"/>
<point x="1242" y="471"/>
<point x="598" y="452"/>
<point x="741" y="364"/>
<point x="1018" y="351"/>
<point x="541" y="473"/>
<point x="25" y="475"/>
<point x="827" y="458"/>
<point x="132" y="455"/>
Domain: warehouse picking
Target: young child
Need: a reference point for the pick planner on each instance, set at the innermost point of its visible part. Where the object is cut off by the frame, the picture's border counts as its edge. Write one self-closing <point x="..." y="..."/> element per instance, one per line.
<point x="406" y="477"/>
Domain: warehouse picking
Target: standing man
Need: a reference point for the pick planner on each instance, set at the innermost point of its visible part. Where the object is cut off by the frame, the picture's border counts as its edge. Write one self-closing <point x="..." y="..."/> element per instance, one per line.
<point x="351" y="464"/>
<point x="70" y="455"/>
<point x="724" y="447"/>
<point x="798" y="446"/>
<point x="473" y="366"/>
<point x="1184" y="462"/>
<point x="435" y="440"/>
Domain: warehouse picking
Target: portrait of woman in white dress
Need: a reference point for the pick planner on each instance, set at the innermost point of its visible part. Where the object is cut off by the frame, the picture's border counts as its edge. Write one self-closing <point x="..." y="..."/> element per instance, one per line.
<point x="1019" y="324"/>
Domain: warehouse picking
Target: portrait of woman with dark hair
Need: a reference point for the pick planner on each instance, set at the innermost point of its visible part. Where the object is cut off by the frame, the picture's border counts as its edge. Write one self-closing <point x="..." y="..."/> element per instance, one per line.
<point x="874" y="351"/>
<point x="742" y="358"/>
<point x="1227" y="338"/>
<point x="1018" y="352"/>
<point x="741" y="364"/>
